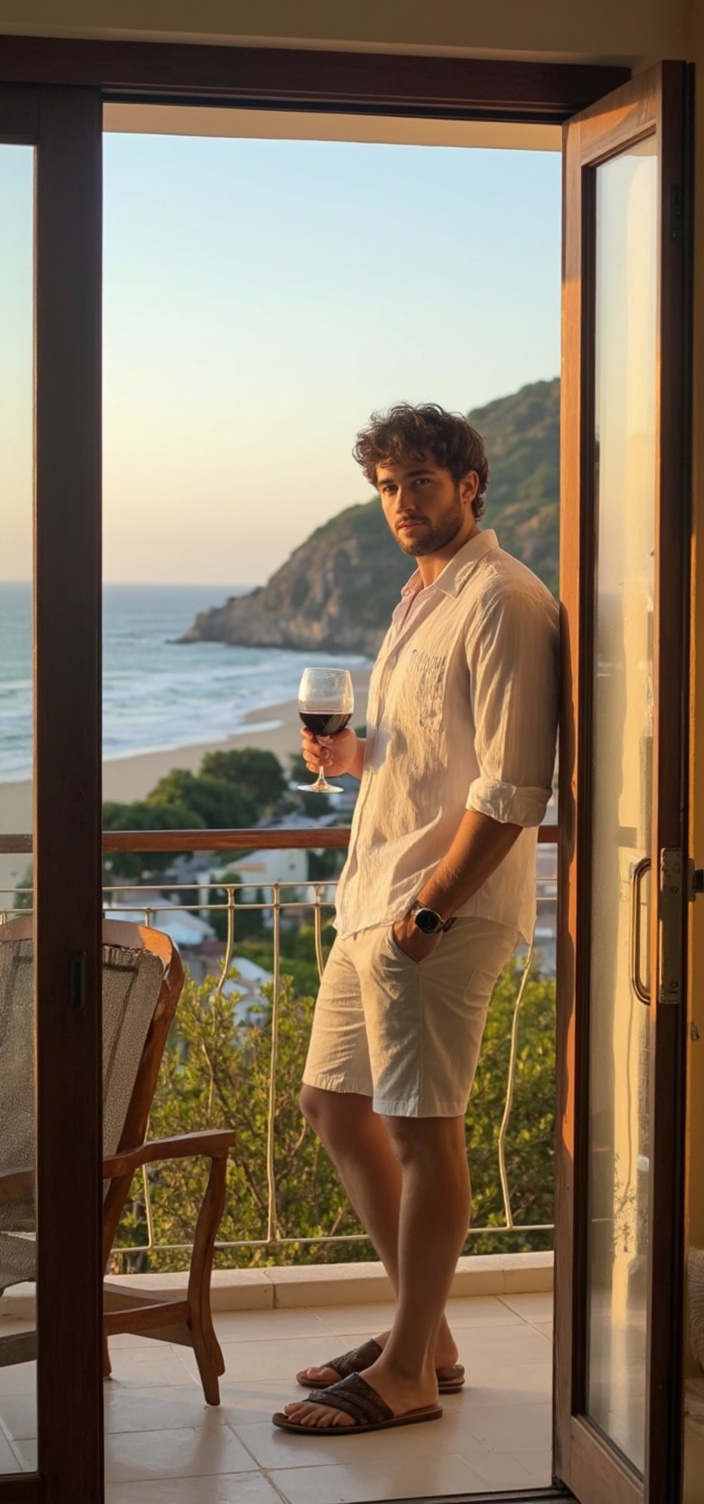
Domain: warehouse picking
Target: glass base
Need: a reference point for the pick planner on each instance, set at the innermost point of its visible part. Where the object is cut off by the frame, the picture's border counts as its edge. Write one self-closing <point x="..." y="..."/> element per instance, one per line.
<point x="320" y="788"/>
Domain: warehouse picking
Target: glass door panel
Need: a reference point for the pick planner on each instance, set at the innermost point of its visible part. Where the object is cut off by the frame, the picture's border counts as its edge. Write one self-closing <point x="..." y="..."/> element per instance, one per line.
<point x="625" y="451"/>
<point x="625" y="508"/>
<point x="17" y="1043"/>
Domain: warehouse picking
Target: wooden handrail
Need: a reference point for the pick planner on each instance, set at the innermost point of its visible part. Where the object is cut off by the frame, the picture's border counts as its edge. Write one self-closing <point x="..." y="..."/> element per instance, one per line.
<point x="315" y="837"/>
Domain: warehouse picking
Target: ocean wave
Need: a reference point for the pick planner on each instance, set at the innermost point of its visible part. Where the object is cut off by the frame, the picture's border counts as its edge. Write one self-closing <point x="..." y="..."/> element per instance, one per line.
<point x="157" y="693"/>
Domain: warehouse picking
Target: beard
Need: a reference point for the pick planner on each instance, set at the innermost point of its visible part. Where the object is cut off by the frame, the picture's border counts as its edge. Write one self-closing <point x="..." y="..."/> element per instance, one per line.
<point x="434" y="535"/>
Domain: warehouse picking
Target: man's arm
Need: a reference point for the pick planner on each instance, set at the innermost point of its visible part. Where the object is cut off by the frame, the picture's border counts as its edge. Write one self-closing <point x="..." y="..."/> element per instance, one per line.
<point x="512" y="660"/>
<point x="478" y="848"/>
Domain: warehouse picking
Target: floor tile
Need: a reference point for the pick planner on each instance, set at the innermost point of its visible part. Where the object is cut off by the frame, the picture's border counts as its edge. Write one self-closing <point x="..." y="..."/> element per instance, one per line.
<point x="500" y="1430"/>
<point x="481" y="1310"/>
<point x="538" y="1464"/>
<point x="18" y="1378"/>
<point x="18" y="1415"/>
<point x="374" y="1316"/>
<point x="129" y="1408"/>
<point x="355" y="1480"/>
<point x="230" y="1488"/>
<point x="500" y="1470"/>
<point x="533" y="1305"/>
<point x="252" y="1326"/>
<point x="11" y="1458"/>
<point x="26" y="1452"/>
<point x="265" y="1359"/>
<point x="499" y="1346"/>
<point x="274" y="1449"/>
<point x="164" y="1445"/>
<point x="158" y="1363"/>
<point x="211" y="1447"/>
<point x="508" y="1384"/>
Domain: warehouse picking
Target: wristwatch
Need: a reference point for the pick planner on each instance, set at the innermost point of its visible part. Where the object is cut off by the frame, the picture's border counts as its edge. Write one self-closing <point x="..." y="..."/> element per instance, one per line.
<point x="427" y="921"/>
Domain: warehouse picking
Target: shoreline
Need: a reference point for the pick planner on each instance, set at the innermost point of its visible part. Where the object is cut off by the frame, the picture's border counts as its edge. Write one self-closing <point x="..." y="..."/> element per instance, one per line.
<point x="271" y="728"/>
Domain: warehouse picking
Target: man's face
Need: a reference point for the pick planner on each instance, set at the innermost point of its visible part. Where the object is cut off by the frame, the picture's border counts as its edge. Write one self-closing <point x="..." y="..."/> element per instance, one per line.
<point x="425" y="508"/>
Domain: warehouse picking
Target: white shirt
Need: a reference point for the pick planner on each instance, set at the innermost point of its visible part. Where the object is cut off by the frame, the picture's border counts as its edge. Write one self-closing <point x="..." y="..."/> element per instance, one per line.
<point x="462" y="714"/>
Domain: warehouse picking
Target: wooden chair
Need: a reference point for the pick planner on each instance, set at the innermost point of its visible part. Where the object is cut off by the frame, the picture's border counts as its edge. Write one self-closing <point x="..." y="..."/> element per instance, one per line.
<point x="142" y="981"/>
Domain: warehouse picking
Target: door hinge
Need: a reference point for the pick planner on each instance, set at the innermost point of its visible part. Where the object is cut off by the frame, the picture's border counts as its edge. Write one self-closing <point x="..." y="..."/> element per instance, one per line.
<point x="672" y="900"/>
<point x="696" y="881"/>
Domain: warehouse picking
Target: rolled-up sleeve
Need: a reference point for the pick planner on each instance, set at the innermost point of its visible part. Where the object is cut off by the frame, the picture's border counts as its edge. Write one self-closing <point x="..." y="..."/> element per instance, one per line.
<point x="513" y="658"/>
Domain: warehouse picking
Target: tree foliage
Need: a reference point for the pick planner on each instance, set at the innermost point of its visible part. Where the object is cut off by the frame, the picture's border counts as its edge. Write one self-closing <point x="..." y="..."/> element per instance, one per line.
<point x="215" y="803"/>
<point x="142" y="815"/>
<point x="257" y="774"/>
<point x="216" y="1073"/>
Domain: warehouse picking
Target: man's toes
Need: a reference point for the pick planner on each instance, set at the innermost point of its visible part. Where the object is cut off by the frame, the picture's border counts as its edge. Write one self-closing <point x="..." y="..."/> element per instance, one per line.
<point x="318" y="1417"/>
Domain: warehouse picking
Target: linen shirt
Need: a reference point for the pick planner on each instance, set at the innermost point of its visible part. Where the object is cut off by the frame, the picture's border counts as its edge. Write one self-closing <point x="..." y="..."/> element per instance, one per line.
<point x="462" y="714"/>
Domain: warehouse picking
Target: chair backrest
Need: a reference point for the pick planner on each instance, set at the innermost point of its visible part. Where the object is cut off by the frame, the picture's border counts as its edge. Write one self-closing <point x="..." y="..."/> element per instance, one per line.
<point x="142" y="980"/>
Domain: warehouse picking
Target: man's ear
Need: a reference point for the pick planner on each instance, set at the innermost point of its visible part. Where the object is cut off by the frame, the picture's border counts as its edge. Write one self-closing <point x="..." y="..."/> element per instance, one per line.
<point x="469" y="486"/>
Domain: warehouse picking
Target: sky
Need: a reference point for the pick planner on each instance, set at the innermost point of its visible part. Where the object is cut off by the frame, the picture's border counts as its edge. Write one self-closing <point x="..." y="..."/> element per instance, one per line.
<point x="261" y="298"/>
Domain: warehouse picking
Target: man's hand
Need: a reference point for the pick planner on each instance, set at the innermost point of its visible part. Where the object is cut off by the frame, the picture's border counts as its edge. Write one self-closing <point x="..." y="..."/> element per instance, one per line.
<point x="412" y="941"/>
<point x="343" y="753"/>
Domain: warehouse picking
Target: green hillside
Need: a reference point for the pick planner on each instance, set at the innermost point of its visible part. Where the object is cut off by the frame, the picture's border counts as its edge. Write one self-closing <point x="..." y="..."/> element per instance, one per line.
<point x="522" y="437"/>
<point x="338" y="589"/>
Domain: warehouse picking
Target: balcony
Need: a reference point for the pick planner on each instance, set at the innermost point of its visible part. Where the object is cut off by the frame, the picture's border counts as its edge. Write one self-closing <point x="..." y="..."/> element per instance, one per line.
<point x="275" y="1316"/>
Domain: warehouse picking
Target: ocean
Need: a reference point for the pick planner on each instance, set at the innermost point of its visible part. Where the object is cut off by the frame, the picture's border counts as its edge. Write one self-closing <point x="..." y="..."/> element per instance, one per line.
<point x="157" y="693"/>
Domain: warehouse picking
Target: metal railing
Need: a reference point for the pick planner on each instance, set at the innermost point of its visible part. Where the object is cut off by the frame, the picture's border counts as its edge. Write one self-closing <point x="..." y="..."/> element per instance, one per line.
<point x="281" y="902"/>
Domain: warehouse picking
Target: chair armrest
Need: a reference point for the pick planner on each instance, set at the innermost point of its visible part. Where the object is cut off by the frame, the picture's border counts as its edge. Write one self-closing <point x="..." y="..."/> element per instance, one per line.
<point x="16" y="1185"/>
<point x="214" y="1143"/>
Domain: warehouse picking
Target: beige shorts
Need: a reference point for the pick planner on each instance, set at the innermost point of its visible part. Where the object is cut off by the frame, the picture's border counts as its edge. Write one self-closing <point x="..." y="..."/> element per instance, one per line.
<point x="406" y="1033"/>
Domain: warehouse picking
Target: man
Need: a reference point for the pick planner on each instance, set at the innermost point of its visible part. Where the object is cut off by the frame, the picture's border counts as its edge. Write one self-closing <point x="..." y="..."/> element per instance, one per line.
<point x="438" y="886"/>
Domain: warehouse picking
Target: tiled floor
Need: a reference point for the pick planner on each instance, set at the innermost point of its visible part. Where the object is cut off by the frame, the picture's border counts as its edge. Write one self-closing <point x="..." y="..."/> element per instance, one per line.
<point x="164" y="1446"/>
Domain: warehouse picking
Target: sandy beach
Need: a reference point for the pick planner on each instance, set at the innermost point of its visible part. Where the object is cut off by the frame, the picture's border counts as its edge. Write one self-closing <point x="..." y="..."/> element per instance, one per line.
<point x="276" y="728"/>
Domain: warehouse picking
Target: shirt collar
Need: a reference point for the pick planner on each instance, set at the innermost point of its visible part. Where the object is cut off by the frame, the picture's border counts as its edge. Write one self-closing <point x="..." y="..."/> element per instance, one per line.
<point x="459" y="567"/>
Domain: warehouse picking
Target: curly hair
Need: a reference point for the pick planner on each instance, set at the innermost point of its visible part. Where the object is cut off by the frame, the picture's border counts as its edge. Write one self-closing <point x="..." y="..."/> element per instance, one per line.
<point x="407" y="432"/>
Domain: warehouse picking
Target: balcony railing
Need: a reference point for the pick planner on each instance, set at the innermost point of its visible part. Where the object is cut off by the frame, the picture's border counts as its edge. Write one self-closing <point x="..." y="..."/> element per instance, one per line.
<point x="283" y="906"/>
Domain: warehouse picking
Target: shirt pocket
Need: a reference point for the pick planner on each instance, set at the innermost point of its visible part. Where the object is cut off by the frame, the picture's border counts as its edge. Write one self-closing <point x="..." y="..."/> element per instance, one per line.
<point x="425" y="687"/>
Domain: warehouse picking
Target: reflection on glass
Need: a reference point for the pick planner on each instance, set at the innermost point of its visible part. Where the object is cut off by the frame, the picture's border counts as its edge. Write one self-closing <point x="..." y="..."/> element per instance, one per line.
<point x="626" y="293"/>
<point x="17" y="1262"/>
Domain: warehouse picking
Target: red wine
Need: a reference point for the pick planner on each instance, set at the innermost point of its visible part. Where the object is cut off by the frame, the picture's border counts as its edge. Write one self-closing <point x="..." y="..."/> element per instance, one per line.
<point x="324" y="722"/>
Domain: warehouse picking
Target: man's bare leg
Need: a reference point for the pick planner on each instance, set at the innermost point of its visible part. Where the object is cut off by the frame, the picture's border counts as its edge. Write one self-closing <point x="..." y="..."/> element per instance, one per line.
<point x="433" y="1220"/>
<point x="361" y="1147"/>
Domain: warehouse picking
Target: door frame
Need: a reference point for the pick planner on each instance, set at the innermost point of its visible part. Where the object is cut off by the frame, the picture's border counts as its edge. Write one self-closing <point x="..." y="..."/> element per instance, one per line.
<point x="659" y="101"/>
<point x="323" y="81"/>
<point x="64" y="127"/>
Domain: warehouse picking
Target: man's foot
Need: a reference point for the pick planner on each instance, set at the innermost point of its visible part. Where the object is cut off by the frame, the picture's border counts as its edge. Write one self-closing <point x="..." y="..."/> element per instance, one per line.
<point x="450" y="1373"/>
<point x="353" y="1404"/>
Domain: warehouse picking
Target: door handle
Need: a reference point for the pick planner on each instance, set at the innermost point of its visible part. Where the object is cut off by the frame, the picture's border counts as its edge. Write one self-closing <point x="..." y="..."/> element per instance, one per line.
<point x="637" y="983"/>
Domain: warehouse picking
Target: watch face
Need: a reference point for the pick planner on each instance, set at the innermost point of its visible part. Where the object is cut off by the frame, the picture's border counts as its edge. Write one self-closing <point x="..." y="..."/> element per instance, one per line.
<point x="427" y="921"/>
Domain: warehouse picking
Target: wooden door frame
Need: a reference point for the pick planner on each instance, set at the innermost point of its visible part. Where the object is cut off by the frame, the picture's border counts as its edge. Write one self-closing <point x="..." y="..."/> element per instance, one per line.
<point x="64" y="126"/>
<point x="665" y="104"/>
<point x="60" y="85"/>
<point x="279" y="78"/>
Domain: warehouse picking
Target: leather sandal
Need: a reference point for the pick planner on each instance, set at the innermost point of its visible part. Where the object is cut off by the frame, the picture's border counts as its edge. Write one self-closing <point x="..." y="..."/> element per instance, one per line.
<point x="368" y="1411"/>
<point x="450" y="1379"/>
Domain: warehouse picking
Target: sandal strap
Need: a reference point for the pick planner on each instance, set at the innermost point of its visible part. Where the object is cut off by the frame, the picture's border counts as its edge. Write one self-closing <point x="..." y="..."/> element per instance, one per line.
<point x="356" y="1359"/>
<point x="356" y="1398"/>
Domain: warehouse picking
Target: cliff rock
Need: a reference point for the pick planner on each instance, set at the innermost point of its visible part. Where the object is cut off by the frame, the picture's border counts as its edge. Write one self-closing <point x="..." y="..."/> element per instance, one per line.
<point x="337" y="591"/>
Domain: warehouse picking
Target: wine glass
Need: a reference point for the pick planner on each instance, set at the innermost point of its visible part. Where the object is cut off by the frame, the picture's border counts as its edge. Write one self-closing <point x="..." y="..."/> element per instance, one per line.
<point x="325" y="704"/>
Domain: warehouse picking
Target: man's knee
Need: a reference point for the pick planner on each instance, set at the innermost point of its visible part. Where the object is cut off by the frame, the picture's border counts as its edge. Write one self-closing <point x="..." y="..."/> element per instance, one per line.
<point x="418" y="1139"/>
<point x="333" y="1114"/>
<point x="313" y="1105"/>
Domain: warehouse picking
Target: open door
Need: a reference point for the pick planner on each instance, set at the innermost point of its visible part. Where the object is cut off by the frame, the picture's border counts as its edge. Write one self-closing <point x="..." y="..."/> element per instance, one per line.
<point x="625" y="871"/>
